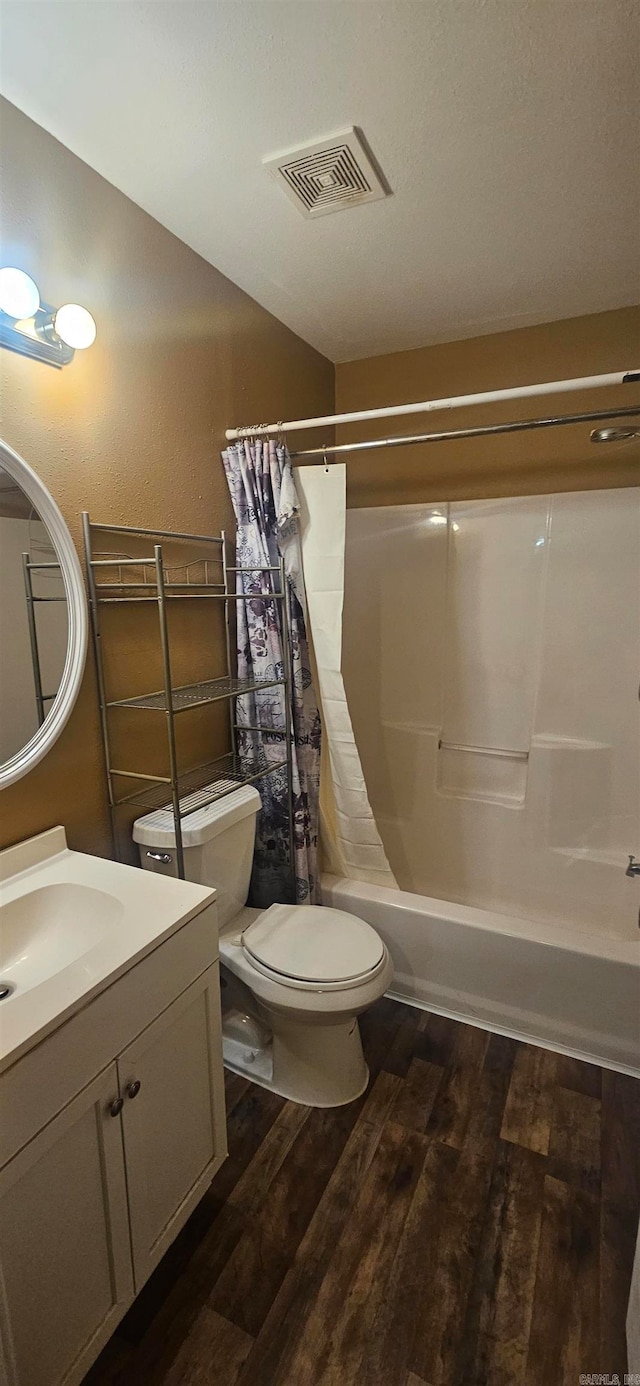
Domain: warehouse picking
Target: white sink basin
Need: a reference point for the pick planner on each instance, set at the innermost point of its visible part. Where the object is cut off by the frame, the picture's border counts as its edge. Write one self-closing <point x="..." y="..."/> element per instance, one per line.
<point x="71" y="924"/>
<point x="45" y="929"/>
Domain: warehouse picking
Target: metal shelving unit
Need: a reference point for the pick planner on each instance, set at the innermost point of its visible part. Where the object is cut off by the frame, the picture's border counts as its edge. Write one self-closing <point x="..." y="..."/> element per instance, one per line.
<point x="152" y="580"/>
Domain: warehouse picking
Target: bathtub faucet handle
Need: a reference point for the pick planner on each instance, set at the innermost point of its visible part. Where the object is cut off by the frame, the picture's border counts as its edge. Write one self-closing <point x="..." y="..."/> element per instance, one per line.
<point x="633" y="868"/>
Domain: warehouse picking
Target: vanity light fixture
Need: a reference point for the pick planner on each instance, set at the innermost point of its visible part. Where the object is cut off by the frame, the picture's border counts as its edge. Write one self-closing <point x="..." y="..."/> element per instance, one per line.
<point x="36" y="329"/>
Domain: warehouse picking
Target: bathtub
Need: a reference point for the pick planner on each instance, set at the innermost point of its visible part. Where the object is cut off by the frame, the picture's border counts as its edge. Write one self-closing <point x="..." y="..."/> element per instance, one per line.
<point x="560" y="987"/>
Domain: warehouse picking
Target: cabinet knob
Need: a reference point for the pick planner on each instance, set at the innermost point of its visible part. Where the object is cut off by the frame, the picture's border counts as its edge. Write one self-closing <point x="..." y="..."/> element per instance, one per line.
<point x="133" y="1088"/>
<point x="116" y="1106"/>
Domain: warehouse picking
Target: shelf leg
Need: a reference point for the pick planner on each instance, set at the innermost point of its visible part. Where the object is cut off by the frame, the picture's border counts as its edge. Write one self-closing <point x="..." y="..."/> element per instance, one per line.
<point x="33" y="637"/>
<point x="102" y="697"/>
<point x="227" y="636"/>
<point x="171" y="731"/>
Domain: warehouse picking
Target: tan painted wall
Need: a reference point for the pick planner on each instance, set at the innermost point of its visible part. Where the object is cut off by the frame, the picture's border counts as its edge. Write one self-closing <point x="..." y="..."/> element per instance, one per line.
<point x="132" y="429"/>
<point x="560" y="459"/>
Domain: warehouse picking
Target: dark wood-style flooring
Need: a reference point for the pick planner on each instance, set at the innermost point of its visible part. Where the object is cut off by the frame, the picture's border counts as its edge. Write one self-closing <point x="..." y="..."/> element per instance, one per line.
<point x="470" y="1221"/>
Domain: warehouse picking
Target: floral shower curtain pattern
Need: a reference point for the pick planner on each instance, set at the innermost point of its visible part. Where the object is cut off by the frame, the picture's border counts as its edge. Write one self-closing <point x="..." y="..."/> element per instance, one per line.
<point x="265" y="503"/>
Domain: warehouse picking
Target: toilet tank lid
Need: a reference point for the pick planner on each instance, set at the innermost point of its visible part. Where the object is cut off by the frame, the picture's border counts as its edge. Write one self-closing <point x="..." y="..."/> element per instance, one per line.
<point x="201" y="824"/>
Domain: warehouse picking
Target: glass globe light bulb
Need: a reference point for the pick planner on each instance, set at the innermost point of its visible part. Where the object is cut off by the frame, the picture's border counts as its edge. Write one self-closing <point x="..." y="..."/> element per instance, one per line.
<point x="75" y="326"/>
<point x="19" y="297"/>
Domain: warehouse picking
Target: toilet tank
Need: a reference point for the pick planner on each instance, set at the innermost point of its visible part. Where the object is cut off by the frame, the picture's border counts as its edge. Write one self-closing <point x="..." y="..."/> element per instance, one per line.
<point x="217" y="840"/>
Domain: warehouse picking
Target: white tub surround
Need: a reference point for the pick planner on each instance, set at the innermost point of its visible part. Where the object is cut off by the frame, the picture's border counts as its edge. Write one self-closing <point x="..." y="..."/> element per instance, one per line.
<point x="490" y="662"/>
<point x="564" y="988"/>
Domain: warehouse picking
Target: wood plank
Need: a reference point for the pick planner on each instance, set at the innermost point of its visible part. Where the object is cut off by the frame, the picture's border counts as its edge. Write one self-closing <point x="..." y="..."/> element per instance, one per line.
<point x="501" y="1053"/>
<point x="215" y="1350"/>
<point x="235" y="1087"/>
<point x="495" y="1336"/>
<point x="247" y="1125"/>
<point x="183" y="1280"/>
<point x="574" y="1143"/>
<point x="564" y="1338"/>
<point x="456" y="1093"/>
<point x="578" y="1075"/>
<point x="621" y="1140"/>
<point x="250" y="1279"/>
<point x="182" y="1325"/>
<point x="454" y="1238"/>
<point x="335" y="1333"/>
<point x="381" y="1030"/>
<point x="387" y="1011"/>
<point x="278" y="1339"/>
<point x="253" y="1185"/>
<point x="528" y="1111"/>
<point x="415" y="1101"/>
<point x="270" y="1359"/>
<point x="351" y="1335"/>
<point x="258" y="1264"/>
<point x="400" y="1053"/>
<point x="343" y="1189"/>
<point x="436" y="1039"/>
<point x="414" y="1269"/>
<point x="618" y="1234"/>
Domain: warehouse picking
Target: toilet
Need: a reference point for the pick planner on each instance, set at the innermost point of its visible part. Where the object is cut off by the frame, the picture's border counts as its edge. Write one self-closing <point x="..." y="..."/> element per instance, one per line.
<point x="294" y="978"/>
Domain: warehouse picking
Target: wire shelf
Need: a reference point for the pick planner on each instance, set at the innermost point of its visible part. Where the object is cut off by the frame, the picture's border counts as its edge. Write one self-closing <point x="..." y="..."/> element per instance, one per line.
<point x="197" y="694"/>
<point x="202" y="786"/>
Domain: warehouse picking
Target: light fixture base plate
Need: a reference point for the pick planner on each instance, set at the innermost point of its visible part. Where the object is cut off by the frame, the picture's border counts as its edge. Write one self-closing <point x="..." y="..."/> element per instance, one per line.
<point x="27" y="341"/>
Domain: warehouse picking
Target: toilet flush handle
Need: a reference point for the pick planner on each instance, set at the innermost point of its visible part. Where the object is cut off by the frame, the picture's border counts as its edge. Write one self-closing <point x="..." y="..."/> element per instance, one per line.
<point x="164" y="857"/>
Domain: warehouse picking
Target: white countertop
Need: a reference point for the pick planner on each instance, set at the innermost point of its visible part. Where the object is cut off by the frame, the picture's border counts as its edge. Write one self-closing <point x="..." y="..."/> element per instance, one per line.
<point x="145" y="909"/>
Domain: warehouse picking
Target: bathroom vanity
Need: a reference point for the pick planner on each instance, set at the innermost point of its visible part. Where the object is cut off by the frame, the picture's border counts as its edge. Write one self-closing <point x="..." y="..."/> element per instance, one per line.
<point x="111" y="1094"/>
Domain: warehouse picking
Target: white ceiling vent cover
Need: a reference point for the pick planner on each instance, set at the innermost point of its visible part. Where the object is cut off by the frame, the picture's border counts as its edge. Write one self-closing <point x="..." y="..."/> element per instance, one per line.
<point x="328" y="175"/>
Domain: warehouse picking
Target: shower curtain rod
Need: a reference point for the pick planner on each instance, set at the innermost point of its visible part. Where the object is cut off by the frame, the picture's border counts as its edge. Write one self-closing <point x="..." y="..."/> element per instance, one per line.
<point x="551" y="387"/>
<point x="519" y="427"/>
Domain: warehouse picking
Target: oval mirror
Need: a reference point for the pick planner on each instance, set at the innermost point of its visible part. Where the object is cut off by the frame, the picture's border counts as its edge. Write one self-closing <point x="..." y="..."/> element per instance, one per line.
<point x="43" y="619"/>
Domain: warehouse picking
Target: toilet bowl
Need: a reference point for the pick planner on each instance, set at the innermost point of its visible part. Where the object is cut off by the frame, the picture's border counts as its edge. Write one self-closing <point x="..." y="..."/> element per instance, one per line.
<point x="294" y="978"/>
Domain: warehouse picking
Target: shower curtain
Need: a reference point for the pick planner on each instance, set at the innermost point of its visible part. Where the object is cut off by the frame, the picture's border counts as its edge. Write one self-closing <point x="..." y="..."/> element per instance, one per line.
<point x="266" y="508"/>
<point x="351" y="843"/>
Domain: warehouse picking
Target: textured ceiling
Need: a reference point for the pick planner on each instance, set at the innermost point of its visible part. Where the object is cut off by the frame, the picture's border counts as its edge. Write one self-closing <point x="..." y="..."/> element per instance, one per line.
<point x="506" y="129"/>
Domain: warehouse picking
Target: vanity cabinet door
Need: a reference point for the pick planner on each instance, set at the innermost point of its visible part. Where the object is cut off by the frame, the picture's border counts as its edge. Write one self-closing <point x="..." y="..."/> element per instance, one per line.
<point x="171" y="1080"/>
<point x="65" y="1258"/>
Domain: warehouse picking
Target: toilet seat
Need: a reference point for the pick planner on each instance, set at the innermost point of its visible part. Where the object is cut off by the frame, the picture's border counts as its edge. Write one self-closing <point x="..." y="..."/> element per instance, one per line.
<point x="313" y="947"/>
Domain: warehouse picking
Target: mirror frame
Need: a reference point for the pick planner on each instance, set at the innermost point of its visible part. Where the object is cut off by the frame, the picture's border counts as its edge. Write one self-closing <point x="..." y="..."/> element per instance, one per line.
<point x="60" y="710"/>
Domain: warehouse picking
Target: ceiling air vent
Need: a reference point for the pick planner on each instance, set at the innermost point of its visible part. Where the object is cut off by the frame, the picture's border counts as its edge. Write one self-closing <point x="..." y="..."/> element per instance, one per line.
<point x="328" y="175"/>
